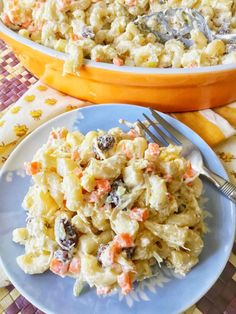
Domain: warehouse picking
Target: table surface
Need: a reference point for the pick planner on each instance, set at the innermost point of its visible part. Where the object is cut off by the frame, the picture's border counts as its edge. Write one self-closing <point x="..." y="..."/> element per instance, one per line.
<point x="221" y="298"/>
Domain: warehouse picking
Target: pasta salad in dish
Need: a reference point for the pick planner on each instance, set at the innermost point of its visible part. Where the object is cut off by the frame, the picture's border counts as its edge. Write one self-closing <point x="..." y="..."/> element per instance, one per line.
<point x="107" y="206"/>
<point x="105" y="31"/>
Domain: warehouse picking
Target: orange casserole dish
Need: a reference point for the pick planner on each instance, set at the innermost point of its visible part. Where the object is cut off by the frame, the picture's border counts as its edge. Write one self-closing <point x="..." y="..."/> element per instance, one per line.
<point x="167" y="90"/>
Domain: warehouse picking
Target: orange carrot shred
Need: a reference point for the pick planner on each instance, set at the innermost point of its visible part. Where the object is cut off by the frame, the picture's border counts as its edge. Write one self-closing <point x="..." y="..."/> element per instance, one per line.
<point x="58" y="267"/>
<point x="124" y="240"/>
<point x="154" y="149"/>
<point x="75" y="265"/>
<point x="103" y="185"/>
<point x="75" y="155"/>
<point x="118" y="61"/>
<point x="139" y="214"/>
<point x="124" y="281"/>
<point x="32" y="168"/>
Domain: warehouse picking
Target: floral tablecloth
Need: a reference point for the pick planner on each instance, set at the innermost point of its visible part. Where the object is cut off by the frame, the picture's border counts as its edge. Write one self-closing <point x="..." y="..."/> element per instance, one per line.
<point x="14" y="82"/>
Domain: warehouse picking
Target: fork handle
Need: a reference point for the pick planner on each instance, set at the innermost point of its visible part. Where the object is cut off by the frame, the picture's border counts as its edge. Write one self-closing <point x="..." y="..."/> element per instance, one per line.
<point x="226" y="37"/>
<point x="227" y="188"/>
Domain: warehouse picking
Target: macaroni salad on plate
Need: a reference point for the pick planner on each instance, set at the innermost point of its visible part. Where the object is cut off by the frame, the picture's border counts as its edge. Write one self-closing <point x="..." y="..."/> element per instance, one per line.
<point x="105" y="207"/>
<point x="105" y="31"/>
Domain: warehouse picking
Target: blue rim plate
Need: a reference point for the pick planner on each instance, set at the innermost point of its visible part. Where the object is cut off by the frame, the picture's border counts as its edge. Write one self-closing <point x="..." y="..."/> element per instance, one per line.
<point x="164" y="294"/>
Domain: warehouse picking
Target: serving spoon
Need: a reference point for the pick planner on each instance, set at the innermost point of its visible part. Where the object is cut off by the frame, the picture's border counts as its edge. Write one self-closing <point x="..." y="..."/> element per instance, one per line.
<point x="178" y="24"/>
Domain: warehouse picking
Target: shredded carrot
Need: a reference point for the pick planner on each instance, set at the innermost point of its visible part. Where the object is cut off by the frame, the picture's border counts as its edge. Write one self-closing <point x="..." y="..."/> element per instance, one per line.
<point x="75" y="155"/>
<point x="154" y="149"/>
<point x="58" y="267"/>
<point x="53" y="135"/>
<point x="93" y="197"/>
<point x="75" y="265"/>
<point x="132" y="133"/>
<point x="118" y="61"/>
<point x="78" y="172"/>
<point x="115" y="249"/>
<point x="32" y="168"/>
<point x="98" y="60"/>
<point x="74" y="37"/>
<point x="124" y="240"/>
<point x="27" y="23"/>
<point x="15" y="16"/>
<point x="103" y="186"/>
<point x="139" y="214"/>
<point x="124" y="281"/>
<point x="5" y="18"/>
<point x="193" y="64"/>
<point x="127" y="152"/>
<point x="190" y="173"/>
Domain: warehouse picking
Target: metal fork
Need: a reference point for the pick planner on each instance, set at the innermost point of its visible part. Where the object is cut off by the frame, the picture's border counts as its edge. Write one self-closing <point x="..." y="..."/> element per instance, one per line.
<point x="169" y="135"/>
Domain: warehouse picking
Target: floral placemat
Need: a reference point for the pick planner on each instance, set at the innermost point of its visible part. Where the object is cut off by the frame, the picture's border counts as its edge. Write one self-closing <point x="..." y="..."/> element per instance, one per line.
<point x="221" y="298"/>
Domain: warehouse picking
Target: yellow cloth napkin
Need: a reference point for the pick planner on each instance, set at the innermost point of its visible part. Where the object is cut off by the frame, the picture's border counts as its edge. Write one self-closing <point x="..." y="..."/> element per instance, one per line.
<point x="41" y="103"/>
<point x="38" y="105"/>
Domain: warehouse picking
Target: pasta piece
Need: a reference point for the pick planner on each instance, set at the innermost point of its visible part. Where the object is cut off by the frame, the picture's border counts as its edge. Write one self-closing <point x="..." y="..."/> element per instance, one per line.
<point x="132" y="176"/>
<point x="40" y="203"/>
<point x="100" y="221"/>
<point x="158" y="192"/>
<point x="124" y="224"/>
<point x="106" y="169"/>
<point x="88" y="244"/>
<point x="105" y="237"/>
<point x="45" y="156"/>
<point x="86" y="147"/>
<point x="197" y="187"/>
<point x="189" y="218"/>
<point x="65" y="165"/>
<point x="173" y="235"/>
<point x="80" y="224"/>
<point x="72" y="191"/>
<point x="132" y="148"/>
<point x="194" y="243"/>
<point x="20" y="235"/>
<point x="88" y="181"/>
<point x="54" y="183"/>
<point x="182" y="262"/>
<point x="94" y="274"/>
<point x="33" y="263"/>
<point x="78" y="286"/>
<point x="74" y="139"/>
<point x="143" y="270"/>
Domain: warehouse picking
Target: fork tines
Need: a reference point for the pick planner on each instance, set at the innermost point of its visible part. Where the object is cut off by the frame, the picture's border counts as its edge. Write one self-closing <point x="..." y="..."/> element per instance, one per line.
<point x="155" y="139"/>
<point x="165" y="134"/>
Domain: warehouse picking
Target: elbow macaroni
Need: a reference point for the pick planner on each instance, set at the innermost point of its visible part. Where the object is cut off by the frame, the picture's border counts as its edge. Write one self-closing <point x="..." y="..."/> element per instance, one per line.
<point x="104" y="31"/>
<point x="113" y="212"/>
